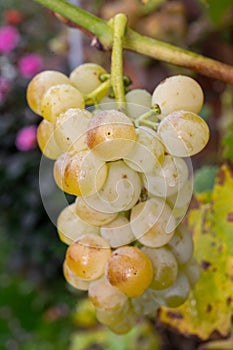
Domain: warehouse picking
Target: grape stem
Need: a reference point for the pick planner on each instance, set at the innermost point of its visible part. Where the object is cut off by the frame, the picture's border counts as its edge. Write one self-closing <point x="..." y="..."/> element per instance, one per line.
<point x="149" y="118"/>
<point x="119" y="23"/>
<point x="142" y="44"/>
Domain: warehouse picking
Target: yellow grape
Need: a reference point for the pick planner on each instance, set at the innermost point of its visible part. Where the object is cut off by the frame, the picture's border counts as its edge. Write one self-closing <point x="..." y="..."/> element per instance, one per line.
<point x="73" y="280"/>
<point x="111" y="135"/>
<point x="178" y="92"/>
<point x="87" y="257"/>
<point x="46" y="140"/>
<point x="58" y="99"/>
<point x="86" y="77"/>
<point x="130" y="270"/>
<point x="104" y="296"/>
<point x="70" y="226"/>
<point x="152" y="222"/>
<point x="91" y="215"/>
<point x="40" y="84"/>
<point x="70" y="129"/>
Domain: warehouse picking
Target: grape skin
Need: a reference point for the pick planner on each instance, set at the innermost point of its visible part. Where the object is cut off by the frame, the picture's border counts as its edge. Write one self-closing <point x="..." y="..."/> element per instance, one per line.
<point x="40" y="84"/>
<point x="178" y="92"/>
<point x="46" y="140"/>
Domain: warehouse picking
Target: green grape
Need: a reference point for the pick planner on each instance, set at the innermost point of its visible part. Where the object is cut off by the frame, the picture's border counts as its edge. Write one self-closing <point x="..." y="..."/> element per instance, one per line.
<point x="181" y="245"/>
<point x="177" y="293"/>
<point x="86" y="77"/>
<point x="129" y="270"/>
<point x="70" y="226"/>
<point x="111" y="135"/>
<point x="58" y="98"/>
<point x="46" y="140"/>
<point x="70" y="129"/>
<point x="165" y="267"/>
<point x="40" y="84"/>
<point x="138" y="102"/>
<point x="183" y="133"/>
<point x="178" y="92"/>
<point x="118" y="232"/>
<point x="168" y="178"/>
<point x="104" y="296"/>
<point x="147" y="152"/>
<point x="107" y="103"/>
<point x="73" y="280"/>
<point x="87" y="257"/>
<point x="121" y="189"/>
<point x="125" y="325"/>
<point x="182" y="197"/>
<point x="80" y="174"/>
<point x="152" y="223"/>
<point x="148" y="303"/>
<point x="192" y="271"/>
<point x="91" y="215"/>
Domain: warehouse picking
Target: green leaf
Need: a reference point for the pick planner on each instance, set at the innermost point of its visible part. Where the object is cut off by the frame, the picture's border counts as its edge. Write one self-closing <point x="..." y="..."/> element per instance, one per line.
<point x="204" y="178"/>
<point x="209" y="309"/>
<point x="217" y="9"/>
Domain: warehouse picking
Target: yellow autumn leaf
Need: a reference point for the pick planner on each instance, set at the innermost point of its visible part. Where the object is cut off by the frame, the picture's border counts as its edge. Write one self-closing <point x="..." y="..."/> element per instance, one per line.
<point x="209" y="309"/>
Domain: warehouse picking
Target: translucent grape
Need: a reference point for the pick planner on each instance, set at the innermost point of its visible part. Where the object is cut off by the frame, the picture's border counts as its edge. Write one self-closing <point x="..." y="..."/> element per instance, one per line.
<point x="152" y="222"/>
<point x="87" y="257"/>
<point x="111" y="317"/>
<point x="70" y="226"/>
<point x="147" y="152"/>
<point x="40" y="84"/>
<point x="168" y="178"/>
<point x="121" y="189"/>
<point x="91" y="215"/>
<point x="81" y="174"/>
<point x="118" y="232"/>
<point x="182" y="245"/>
<point x="58" y="99"/>
<point x="148" y="303"/>
<point x="130" y="270"/>
<point x="111" y="135"/>
<point x="70" y="129"/>
<point x="183" y="133"/>
<point x="192" y="271"/>
<point x="138" y="102"/>
<point x="165" y="267"/>
<point x="86" y="77"/>
<point x="176" y="93"/>
<point x="73" y="280"/>
<point x="46" y="140"/>
<point x="105" y="296"/>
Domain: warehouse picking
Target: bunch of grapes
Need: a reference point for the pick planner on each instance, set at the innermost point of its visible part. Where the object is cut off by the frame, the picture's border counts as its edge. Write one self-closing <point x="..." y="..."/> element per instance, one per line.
<point x="127" y="164"/>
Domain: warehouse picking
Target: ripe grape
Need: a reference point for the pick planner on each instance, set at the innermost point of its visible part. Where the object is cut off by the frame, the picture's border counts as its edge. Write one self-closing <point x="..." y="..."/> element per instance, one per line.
<point x="121" y="189"/>
<point x="176" y="93"/>
<point x="130" y="270"/>
<point x="58" y="98"/>
<point x="70" y="226"/>
<point x="104" y="296"/>
<point x="86" y="77"/>
<point x="147" y="152"/>
<point x="165" y="267"/>
<point x="152" y="222"/>
<point x="182" y="245"/>
<point x="111" y="135"/>
<point x="73" y="280"/>
<point x="80" y="174"/>
<point x="70" y="128"/>
<point x="192" y="271"/>
<point x="40" y="84"/>
<point x="46" y="140"/>
<point x="168" y="178"/>
<point x="90" y="215"/>
<point x="118" y="232"/>
<point x="138" y="102"/>
<point x="87" y="257"/>
<point x="183" y="133"/>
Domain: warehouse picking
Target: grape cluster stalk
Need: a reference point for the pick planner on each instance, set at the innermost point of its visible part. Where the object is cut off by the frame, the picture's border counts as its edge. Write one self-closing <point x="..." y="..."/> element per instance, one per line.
<point x="127" y="164"/>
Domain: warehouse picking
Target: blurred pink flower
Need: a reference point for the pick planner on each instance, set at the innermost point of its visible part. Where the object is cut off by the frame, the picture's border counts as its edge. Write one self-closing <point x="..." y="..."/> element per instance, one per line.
<point x="26" y="138"/>
<point x="9" y="38"/>
<point x="30" y="64"/>
<point x="5" y="87"/>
